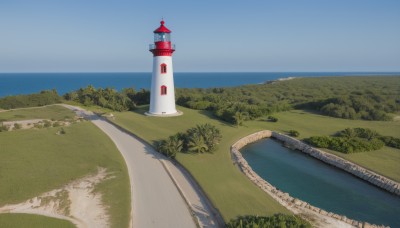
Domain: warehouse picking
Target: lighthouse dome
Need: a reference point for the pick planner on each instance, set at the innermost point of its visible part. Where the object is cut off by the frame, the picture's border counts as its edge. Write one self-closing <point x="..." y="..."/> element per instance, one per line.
<point x="162" y="28"/>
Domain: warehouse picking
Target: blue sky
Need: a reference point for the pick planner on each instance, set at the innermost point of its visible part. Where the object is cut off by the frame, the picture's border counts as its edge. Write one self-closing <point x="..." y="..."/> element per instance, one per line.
<point x="210" y="35"/>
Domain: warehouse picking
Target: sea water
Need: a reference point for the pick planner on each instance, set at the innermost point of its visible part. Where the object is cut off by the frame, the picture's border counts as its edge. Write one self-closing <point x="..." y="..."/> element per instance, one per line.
<point x="25" y="83"/>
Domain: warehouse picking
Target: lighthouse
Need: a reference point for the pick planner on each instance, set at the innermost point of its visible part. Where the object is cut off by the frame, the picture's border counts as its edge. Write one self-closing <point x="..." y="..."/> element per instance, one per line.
<point x="162" y="94"/>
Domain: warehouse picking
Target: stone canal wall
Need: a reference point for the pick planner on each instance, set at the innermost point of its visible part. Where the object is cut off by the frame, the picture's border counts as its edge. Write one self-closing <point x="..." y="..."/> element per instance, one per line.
<point x="341" y="163"/>
<point x="295" y="204"/>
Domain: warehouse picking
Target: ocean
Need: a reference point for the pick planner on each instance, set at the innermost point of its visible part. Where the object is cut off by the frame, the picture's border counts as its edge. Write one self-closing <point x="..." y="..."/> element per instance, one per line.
<point x="26" y="83"/>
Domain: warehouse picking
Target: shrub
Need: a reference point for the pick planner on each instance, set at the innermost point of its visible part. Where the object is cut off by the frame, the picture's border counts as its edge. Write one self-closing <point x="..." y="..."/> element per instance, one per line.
<point x="199" y="139"/>
<point x="277" y="220"/>
<point x="294" y="133"/>
<point x="204" y="133"/>
<point x="272" y="119"/>
<point x="56" y="124"/>
<point x="350" y="141"/>
<point x="3" y="128"/>
<point x="391" y="141"/>
<point x="62" y="131"/>
<point x="169" y="147"/>
<point x="17" y="126"/>
<point x="46" y="123"/>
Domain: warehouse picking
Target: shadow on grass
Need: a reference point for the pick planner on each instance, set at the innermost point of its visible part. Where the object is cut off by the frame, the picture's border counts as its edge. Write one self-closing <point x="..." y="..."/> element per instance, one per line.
<point x="211" y="116"/>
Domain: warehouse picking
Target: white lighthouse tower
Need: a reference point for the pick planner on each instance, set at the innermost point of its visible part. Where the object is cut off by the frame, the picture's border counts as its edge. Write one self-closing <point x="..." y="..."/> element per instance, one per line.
<point x="162" y="94"/>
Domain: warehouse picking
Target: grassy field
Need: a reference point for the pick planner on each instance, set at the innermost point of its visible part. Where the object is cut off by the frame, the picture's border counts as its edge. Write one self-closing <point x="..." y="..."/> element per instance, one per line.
<point x="55" y="112"/>
<point x="231" y="192"/>
<point x="38" y="160"/>
<point x="32" y="221"/>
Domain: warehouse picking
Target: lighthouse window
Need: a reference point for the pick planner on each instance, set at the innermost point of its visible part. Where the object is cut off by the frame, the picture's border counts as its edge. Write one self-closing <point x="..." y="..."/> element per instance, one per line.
<point x="163" y="90"/>
<point x="163" y="68"/>
<point x="163" y="37"/>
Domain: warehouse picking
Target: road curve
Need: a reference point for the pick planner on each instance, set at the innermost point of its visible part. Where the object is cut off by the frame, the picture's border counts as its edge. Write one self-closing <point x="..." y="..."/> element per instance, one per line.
<point x="156" y="201"/>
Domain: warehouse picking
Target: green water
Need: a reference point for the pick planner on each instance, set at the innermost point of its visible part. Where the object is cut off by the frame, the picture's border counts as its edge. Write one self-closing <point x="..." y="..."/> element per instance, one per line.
<point x="322" y="185"/>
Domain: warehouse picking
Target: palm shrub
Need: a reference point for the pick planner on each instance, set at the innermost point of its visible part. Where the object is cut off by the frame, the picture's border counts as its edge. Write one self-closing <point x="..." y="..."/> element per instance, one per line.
<point x="200" y="139"/>
<point x="277" y="220"/>
<point x="170" y="146"/>
<point x="206" y="134"/>
<point x="211" y="135"/>
<point x="196" y="143"/>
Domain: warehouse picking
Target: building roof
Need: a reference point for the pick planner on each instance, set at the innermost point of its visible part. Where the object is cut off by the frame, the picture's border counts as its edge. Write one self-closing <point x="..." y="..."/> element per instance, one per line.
<point x="162" y="28"/>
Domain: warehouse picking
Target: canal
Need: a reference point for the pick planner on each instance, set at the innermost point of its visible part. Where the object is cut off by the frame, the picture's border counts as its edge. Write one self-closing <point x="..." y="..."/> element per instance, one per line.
<point x="320" y="184"/>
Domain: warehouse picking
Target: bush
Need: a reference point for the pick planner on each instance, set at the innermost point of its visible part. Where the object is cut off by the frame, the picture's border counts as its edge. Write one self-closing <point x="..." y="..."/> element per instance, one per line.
<point x="56" y="124"/>
<point x="3" y="128"/>
<point x="277" y="220"/>
<point x="169" y="147"/>
<point x="199" y="139"/>
<point x="46" y="123"/>
<point x="352" y="140"/>
<point x="294" y="133"/>
<point x="17" y="126"/>
<point x="391" y="141"/>
<point x="203" y="138"/>
<point x="272" y="119"/>
<point x="62" y="131"/>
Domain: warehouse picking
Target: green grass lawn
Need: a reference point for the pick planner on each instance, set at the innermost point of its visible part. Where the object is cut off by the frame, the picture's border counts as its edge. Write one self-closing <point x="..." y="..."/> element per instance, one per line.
<point x="38" y="160"/>
<point x="32" y="221"/>
<point x="230" y="191"/>
<point x="55" y="112"/>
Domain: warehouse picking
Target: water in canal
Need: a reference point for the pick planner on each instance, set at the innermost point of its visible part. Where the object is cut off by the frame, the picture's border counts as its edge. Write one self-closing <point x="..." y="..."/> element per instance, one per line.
<point x="321" y="185"/>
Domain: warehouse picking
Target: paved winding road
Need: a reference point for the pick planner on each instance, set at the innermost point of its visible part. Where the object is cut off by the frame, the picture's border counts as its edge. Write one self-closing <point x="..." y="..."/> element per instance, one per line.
<point x="156" y="200"/>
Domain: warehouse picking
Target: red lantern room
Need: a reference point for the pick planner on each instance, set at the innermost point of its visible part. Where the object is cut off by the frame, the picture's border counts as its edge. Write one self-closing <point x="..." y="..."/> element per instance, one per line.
<point x="162" y="42"/>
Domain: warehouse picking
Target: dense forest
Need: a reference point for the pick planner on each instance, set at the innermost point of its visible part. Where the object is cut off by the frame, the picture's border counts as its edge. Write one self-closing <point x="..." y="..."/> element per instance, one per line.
<point x="45" y="97"/>
<point x="368" y="98"/>
<point x="127" y="99"/>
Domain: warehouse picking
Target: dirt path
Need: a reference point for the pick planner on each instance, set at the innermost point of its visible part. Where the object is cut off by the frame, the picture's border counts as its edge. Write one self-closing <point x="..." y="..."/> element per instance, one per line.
<point x="75" y="202"/>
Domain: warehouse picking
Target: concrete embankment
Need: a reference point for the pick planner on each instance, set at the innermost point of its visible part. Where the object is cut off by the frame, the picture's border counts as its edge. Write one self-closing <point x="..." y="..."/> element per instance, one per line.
<point x="297" y="205"/>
